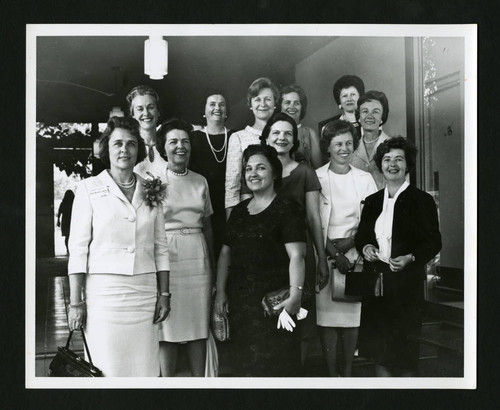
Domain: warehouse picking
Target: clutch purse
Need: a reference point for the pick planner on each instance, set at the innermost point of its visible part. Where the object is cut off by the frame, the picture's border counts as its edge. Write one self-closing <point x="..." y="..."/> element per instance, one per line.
<point x="271" y="299"/>
<point x="219" y="324"/>
<point x="368" y="282"/>
<point x="338" y="281"/>
<point x="67" y="363"/>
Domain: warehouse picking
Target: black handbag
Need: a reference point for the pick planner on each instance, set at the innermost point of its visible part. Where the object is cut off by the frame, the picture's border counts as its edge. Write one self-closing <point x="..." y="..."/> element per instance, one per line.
<point x="368" y="282"/>
<point x="67" y="363"/>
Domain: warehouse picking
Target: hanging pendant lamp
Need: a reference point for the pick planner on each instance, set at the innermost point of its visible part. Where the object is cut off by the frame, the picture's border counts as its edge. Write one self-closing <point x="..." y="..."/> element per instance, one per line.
<point x="156" y="57"/>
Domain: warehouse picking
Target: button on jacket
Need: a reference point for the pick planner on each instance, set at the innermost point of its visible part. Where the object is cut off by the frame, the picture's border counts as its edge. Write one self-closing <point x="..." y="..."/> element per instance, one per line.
<point x="111" y="235"/>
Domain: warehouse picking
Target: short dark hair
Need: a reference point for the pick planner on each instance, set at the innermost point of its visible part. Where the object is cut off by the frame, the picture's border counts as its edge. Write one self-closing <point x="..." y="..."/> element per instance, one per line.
<point x="208" y="93"/>
<point x="272" y="156"/>
<point x="259" y="84"/>
<point x="166" y="127"/>
<point x="141" y="90"/>
<point x="347" y="81"/>
<point x="397" y="142"/>
<point x="281" y="116"/>
<point x="127" y="123"/>
<point x="294" y="88"/>
<point x="377" y="96"/>
<point x="334" y="128"/>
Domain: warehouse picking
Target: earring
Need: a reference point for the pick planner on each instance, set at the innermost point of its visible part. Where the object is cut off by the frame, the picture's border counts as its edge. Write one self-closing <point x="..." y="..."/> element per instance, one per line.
<point x="204" y="116"/>
<point x="340" y="106"/>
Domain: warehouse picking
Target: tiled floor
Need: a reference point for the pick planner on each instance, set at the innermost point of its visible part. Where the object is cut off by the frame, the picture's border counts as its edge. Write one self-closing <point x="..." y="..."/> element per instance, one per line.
<point x="52" y="290"/>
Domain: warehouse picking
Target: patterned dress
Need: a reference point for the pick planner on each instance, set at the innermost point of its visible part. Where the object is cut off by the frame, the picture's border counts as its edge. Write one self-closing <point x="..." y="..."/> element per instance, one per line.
<point x="259" y="264"/>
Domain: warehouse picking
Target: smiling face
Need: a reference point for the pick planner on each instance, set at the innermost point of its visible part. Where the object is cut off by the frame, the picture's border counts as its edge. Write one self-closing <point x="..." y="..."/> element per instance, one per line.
<point x="349" y="99"/>
<point x="178" y="147"/>
<point x="394" y="165"/>
<point x="370" y="115"/>
<point x="291" y="105"/>
<point x="341" y="148"/>
<point x="263" y="104"/>
<point x="123" y="149"/>
<point x="215" y="109"/>
<point x="145" y="110"/>
<point x="259" y="174"/>
<point x="281" y="137"/>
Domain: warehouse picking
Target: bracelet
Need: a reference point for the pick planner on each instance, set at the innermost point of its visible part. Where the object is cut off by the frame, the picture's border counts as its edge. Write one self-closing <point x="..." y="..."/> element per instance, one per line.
<point x="167" y="294"/>
<point x="77" y="304"/>
<point x="297" y="287"/>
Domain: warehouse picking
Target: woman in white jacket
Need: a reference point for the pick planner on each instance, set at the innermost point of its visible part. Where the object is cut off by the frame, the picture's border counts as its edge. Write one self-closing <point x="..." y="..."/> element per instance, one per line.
<point x="118" y="265"/>
<point x="343" y="190"/>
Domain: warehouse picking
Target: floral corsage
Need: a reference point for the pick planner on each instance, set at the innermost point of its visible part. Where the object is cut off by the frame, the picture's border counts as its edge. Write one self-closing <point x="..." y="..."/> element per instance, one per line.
<point x="155" y="191"/>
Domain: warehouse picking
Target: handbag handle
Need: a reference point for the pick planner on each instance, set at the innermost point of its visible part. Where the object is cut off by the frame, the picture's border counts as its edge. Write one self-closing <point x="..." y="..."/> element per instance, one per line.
<point x="92" y="367"/>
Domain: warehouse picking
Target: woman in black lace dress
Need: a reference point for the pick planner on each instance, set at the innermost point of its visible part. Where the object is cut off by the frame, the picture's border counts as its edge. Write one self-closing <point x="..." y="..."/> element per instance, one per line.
<point x="265" y="246"/>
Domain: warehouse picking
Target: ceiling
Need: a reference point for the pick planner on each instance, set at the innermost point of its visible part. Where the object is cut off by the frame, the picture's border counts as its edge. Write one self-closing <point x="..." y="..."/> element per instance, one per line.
<point x="102" y="69"/>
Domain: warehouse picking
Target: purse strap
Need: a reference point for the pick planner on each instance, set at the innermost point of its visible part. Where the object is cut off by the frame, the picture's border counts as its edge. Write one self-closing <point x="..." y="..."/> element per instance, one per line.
<point x="84" y="343"/>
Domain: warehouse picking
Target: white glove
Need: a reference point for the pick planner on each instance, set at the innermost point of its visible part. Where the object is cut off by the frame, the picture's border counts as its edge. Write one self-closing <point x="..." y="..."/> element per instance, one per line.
<point x="302" y="314"/>
<point x="285" y="321"/>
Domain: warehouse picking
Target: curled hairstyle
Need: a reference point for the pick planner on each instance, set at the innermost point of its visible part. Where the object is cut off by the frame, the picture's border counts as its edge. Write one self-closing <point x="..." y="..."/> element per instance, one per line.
<point x="397" y="142"/>
<point x="333" y="129"/>
<point x="377" y="96"/>
<point x="208" y="93"/>
<point x="281" y="116"/>
<point x="141" y="90"/>
<point x="272" y="156"/>
<point x="126" y="123"/>
<point x="294" y="88"/>
<point x="347" y="81"/>
<point x="259" y="84"/>
<point x="166" y="127"/>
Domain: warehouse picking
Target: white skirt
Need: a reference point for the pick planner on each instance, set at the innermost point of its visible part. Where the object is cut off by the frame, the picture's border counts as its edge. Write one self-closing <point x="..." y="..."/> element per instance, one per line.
<point x="122" y="339"/>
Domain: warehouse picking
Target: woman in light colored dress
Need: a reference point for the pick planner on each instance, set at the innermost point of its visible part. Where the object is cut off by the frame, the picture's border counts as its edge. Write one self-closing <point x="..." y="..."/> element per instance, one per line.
<point x="372" y="113"/>
<point x="143" y="106"/>
<point x="119" y="260"/>
<point x="262" y="97"/>
<point x="187" y="209"/>
<point x="293" y="101"/>
<point x="343" y="190"/>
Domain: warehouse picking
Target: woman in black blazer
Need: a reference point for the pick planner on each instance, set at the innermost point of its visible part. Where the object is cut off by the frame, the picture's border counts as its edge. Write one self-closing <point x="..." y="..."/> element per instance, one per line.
<point x="398" y="234"/>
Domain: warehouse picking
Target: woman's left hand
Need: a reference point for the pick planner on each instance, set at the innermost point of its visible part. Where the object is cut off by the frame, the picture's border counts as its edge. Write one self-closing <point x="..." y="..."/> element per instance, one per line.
<point x="398" y="263"/>
<point x="162" y="309"/>
<point x="291" y="304"/>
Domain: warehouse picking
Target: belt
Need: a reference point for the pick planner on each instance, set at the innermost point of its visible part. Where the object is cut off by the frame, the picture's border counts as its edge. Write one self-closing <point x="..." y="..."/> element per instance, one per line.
<point x="184" y="231"/>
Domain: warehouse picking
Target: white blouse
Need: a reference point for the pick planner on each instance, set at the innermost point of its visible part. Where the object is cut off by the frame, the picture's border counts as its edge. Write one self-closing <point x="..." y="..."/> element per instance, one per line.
<point x="383" y="225"/>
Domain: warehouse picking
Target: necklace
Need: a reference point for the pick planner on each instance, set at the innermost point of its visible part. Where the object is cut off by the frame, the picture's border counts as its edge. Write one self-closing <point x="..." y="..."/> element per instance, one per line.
<point x="127" y="185"/>
<point x="372" y="141"/>
<point x="214" y="151"/>
<point x="179" y="174"/>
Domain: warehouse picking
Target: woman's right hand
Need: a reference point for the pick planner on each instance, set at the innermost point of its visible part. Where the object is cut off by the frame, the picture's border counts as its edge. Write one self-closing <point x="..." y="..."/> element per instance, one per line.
<point x="370" y="253"/>
<point x="77" y="317"/>
<point x="221" y="305"/>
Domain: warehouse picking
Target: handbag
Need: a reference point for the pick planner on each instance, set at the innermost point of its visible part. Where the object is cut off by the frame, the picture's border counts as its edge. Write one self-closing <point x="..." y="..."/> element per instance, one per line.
<point x="274" y="298"/>
<point x="219" y="324"/>
<point x="338" y="281"/>
<point x="368" y="282"/>
<point x="67" y="363"/>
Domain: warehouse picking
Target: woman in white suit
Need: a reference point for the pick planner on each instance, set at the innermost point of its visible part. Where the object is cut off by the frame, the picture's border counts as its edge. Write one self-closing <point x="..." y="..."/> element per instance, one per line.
<point x="343" y="190"/>
<point x="118" y="265"/>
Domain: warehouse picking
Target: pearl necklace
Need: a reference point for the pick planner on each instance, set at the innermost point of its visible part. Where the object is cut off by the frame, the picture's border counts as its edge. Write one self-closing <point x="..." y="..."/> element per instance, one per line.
<point x="370" y="142"/>
<point x="127" y="185"/>
<point x="178" y="174"/>
<point x="214" y="151"/>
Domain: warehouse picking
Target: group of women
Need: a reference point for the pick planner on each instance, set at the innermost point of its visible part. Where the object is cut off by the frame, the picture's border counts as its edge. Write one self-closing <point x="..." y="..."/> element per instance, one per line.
<point x="179" y="210"/>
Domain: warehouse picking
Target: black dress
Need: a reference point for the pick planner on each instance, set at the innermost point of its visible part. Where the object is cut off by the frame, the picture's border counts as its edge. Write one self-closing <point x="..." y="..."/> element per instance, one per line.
<point x="259" y="264"/>
<point x="387" y="323"/>
<point x="203" y="162"/>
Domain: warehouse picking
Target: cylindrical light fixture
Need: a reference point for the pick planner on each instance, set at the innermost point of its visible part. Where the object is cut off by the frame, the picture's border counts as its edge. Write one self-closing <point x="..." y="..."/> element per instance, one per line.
<point x="156" y="57"/>
<point x="116" y="112"/>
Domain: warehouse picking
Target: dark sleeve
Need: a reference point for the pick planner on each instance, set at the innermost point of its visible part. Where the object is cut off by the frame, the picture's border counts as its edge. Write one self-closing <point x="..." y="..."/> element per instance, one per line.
<point x="366" y="228"/>
<point x="428" y="241"/>
<point x="311" y="179"/>
<point x="293" y="227"/>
